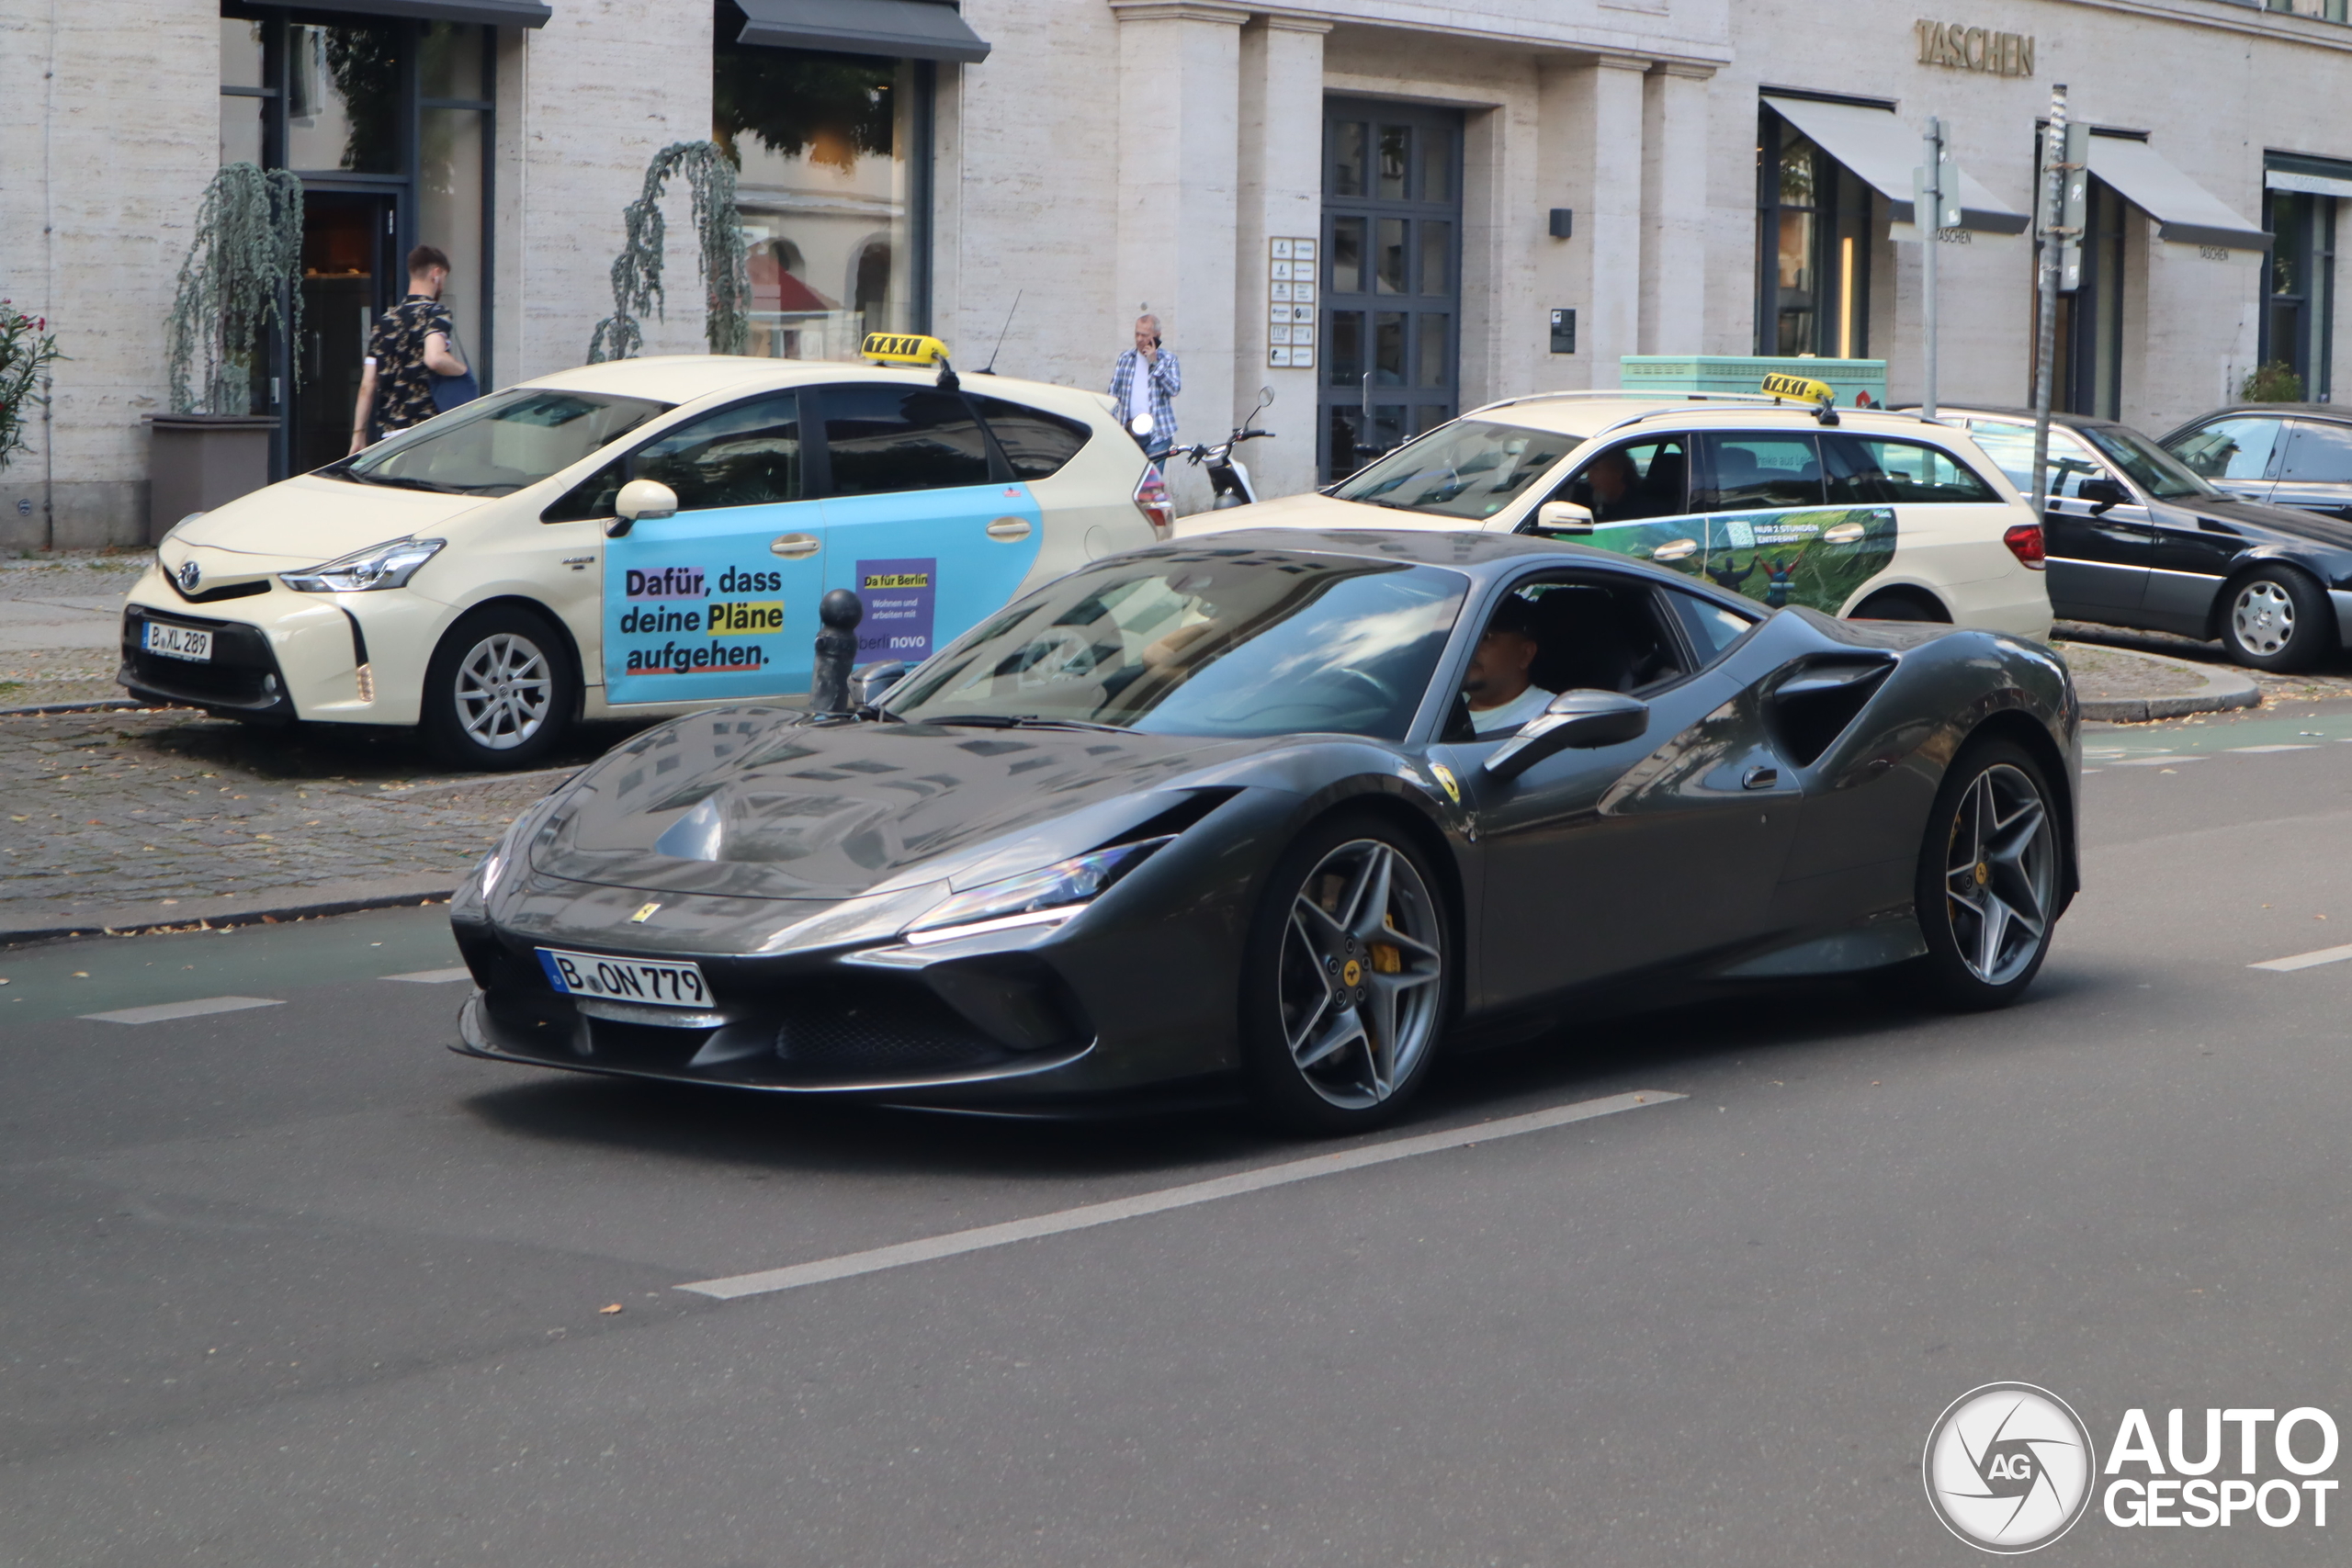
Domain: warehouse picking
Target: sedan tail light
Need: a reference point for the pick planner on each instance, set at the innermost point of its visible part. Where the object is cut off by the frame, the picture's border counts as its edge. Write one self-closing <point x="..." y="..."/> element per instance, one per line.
<point x="1158" y="508"/>
<point x="2024" y="540"/>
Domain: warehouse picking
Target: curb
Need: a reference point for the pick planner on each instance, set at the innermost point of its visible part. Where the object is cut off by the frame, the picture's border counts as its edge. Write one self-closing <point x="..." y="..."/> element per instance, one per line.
<point x="96" y="705"/>
<point x="287" y="903"/>
<point x="2219" y="691"/>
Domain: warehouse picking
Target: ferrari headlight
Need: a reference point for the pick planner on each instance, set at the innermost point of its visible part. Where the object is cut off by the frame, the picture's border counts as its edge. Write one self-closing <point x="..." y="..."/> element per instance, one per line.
<point x="1053" y="894"/>
<point x="387" y="565"/>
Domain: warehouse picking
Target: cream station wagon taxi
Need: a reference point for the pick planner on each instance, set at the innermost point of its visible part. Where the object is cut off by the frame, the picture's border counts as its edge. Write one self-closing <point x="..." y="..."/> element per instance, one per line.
<point x="631" y="539"/>
<point x="1785" y="500"/>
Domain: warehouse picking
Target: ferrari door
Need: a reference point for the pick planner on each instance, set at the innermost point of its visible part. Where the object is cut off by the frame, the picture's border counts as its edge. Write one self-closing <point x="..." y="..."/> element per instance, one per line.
<point x="1607" y="860"/>
<point x="922" y="521"/>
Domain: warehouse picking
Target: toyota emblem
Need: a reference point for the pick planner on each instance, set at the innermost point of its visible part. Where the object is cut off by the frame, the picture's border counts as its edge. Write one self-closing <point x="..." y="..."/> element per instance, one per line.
<point x="190" y="575"/>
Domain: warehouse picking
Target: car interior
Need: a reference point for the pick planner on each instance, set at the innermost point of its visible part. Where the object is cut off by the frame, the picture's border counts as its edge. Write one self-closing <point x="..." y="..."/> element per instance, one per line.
<point x="1590" y="636"/>
<point x="1661" y="473"/>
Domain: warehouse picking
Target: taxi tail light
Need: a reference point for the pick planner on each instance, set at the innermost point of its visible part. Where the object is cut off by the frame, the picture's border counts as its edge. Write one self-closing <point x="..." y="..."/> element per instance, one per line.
<point x="2024" y="540"/>
<point x="1151" y="498"/>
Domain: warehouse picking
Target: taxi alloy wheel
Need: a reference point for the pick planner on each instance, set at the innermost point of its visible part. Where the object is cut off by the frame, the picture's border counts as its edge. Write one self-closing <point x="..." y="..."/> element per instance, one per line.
<point x="501" y="689"/>
<point x="1358" y="991"/>
<point x="1989" y="878"/>
<point x="2277" y="619"/>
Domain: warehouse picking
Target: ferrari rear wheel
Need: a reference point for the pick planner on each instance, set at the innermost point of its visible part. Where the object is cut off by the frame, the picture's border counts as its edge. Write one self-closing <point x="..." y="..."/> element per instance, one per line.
<point x="1347" y="990"/>
<point x="1987" y="894"/>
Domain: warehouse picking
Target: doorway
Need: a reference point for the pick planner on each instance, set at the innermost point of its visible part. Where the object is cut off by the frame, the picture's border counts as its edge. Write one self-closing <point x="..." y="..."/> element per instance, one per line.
<point x="350" y="274"/>
<point x="1392" y="277"/>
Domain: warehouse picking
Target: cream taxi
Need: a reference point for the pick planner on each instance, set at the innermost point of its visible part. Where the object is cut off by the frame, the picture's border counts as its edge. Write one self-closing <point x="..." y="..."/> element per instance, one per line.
<point x="1784" y="499"/>
<point x="631" y="539"/>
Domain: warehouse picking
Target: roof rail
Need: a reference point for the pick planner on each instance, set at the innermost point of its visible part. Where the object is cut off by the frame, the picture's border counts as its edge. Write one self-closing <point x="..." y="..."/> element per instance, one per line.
<point x="1620" y="394"/>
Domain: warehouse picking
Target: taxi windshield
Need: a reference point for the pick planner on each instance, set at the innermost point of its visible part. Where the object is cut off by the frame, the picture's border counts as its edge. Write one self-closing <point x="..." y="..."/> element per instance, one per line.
<point x="1470" y="468"/>
<point x="1201" y="641"/>
<point x="497" y="444"/>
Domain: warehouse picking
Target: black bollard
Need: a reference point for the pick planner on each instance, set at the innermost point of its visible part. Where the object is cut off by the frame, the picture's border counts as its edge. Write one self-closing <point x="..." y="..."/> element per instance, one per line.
<point x="839" y="610"/>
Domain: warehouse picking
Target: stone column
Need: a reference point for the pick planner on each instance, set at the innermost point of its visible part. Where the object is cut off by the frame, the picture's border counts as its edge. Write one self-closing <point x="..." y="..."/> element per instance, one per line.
<point x="1179" y="191"/>
<point x="1612" y="220"/>
<point x="1281" y="196"/>
<point x="1673" y="205"/>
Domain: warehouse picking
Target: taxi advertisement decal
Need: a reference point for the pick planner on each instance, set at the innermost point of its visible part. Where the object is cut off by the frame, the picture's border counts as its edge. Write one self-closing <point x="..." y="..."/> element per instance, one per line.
<point x="684" y="622"/>
<point x="900" y="597"/>
<point x="1816" y="557"/>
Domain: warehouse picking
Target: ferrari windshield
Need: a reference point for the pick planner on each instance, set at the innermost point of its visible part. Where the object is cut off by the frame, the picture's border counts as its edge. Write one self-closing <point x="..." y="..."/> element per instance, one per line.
<point x="495" y="445"/>
<point x="1470" y="468"/>
<point x="1204" y="641"/>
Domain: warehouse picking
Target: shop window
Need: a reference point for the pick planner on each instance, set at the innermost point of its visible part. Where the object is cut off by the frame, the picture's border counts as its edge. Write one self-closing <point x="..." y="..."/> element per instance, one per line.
<point x="2298" y="303"/>
<point x="834" y="150"/>
<point x="1814" y="249"/>
<point x="2087" y="374"/>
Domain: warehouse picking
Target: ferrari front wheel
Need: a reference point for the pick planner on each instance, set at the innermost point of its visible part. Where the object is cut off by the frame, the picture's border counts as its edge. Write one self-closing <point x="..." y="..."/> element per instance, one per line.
<point x="1987" y="889"/>
<point x="1347" y="982"/>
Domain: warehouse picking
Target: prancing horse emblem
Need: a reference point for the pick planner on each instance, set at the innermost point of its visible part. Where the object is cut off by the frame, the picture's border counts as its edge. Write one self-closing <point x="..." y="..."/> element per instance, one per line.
<point x="190" y="575"/>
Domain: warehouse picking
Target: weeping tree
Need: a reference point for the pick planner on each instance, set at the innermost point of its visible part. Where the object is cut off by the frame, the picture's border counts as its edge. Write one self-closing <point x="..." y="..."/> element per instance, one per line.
<point x="243" y="269"/>
<point x="637" y="271"/>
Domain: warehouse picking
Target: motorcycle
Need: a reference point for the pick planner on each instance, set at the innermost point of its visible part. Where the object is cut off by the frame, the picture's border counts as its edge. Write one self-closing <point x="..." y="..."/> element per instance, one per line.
<point x="1229" y="476"/>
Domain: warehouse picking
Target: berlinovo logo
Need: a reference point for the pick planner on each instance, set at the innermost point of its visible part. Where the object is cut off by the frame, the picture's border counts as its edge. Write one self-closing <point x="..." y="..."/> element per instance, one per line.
<point x="2008" y="1467"/>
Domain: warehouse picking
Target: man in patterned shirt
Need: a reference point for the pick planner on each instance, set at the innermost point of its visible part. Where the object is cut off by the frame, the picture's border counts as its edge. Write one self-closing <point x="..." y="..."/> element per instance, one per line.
<point x="1144" y="384"/>
<point x="408" y="348"/>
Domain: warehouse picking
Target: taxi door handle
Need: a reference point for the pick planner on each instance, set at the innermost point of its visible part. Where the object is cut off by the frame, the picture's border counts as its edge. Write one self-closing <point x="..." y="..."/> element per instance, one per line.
<point x="795" y="546"/>
<point x="1760" y="778"/>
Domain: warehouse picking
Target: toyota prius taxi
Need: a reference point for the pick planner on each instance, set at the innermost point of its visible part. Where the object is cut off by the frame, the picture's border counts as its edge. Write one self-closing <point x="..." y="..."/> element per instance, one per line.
<point x="635" y="538"/>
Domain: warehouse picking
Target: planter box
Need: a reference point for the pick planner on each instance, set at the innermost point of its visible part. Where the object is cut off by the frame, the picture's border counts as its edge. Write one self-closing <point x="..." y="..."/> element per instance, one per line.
<point x="1746" y="373"/>
<point x="197" y="461"/>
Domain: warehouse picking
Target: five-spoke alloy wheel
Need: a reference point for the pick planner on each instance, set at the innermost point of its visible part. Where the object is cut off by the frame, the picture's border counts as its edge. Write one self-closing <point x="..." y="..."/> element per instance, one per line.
<point x="1348" y="990"/>
<point x="499" y="692"/>
<point x="1989" y="877"/>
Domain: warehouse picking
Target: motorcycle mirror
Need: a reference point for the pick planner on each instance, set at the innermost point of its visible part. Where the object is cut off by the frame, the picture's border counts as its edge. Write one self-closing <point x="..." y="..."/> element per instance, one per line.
<point x="1265" y="397"/>
<point x="1141" y="424"/>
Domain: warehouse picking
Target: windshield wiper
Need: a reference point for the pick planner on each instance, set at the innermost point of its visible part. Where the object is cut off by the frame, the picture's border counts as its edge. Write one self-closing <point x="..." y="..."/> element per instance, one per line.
<point x="397" y="481"/>
<point x="1030" y="721"/>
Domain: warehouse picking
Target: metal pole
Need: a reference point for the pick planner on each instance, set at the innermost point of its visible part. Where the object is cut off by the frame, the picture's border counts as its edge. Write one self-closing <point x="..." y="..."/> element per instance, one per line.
<point x="2053" y="180"/>
<point x="1929" y="223"/>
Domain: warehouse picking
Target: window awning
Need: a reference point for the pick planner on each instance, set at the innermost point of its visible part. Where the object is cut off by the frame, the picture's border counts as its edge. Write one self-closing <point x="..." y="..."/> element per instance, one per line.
<point x="1881" y="151"/>
<point x="489" y="13"/>
<point x="2186" y="212"/>
<point x="909" y="29"/>
<point x="2300" y="171"/>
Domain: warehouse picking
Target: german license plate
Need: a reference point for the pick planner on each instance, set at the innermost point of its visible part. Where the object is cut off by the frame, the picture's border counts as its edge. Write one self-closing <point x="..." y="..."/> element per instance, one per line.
<point x="179" y="642"/>
<point x="657" y="981"/>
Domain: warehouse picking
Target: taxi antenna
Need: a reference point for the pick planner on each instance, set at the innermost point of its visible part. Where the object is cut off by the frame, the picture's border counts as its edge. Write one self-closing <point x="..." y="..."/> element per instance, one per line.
<point x="989" y="368"/>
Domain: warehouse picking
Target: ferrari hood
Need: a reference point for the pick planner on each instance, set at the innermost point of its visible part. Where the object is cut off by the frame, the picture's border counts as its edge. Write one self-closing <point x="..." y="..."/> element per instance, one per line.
<point x="308" y="520"/>
<point x="745" y="802"/>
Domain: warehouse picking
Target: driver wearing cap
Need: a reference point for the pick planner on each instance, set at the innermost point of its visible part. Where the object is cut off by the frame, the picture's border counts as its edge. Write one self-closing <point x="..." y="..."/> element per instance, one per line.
<point x="1497" y="686"/>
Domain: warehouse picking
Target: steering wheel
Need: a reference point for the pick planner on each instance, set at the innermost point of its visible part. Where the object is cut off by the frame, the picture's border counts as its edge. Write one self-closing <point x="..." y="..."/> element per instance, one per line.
<point x="1062" y="654"/>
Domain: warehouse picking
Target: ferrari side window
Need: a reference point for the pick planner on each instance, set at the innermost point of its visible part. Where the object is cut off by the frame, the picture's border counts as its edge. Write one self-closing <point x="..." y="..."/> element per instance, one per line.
<point x="1566" y="635"/>
<point x="1710" y="627"/>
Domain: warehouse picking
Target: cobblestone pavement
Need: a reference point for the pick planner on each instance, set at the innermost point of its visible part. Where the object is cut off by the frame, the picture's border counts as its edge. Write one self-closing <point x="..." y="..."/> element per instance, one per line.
<point x="2104" y="671"/>
<point x="156" y="816"/>
<point x="2332" y="679"/>
<point x="59" y="616"/>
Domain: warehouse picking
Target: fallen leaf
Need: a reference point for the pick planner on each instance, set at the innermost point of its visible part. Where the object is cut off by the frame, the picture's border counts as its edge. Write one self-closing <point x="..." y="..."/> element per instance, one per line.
<point x="81" y="974"/>
<point x="607" y="1312"/>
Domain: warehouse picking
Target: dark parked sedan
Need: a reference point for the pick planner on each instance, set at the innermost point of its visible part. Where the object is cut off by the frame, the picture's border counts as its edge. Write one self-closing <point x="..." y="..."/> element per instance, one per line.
<point x="2137" y="537"/>
<point x="1283" y="811"/>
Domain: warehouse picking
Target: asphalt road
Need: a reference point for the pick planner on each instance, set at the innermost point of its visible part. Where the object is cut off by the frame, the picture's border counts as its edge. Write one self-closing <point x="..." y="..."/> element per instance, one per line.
<point x="293" y="1284"/>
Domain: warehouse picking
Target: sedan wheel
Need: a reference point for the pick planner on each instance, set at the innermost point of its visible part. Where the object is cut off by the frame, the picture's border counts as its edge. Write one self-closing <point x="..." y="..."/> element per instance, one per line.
<point x="2278" y="619"/>
<point x="500" y="691"/>
<point x="504" y="692"/>
<point x="1349" y="988"/>
<point x="1989" y="878"/>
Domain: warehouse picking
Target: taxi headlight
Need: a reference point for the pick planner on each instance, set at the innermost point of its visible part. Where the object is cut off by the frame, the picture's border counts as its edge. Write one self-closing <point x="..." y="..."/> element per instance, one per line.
<point x="1056" y="893"/>
<point x="387" y="565"/>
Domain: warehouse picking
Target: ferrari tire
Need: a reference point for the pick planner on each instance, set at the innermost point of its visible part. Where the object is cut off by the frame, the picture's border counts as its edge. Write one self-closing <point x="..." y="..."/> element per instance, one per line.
<point x="2276" y="618"/>
<point x="499" y="692"/>
<point x="1347" y="984"/>
<point x="1988" y="879"/>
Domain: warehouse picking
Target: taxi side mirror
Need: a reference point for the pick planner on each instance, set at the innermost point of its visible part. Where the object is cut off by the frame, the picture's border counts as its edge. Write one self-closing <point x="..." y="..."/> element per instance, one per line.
<point x="1563" y="517"/>
<point x="640" y="501"/>
<point x="2102" y="494"/>
<point x="1573" y="720"/>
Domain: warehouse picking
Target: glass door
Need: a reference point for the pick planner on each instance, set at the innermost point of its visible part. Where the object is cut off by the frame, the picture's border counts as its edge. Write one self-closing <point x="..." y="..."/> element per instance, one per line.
<point x="350" y="274"/>
<point x="1392" y="285"/>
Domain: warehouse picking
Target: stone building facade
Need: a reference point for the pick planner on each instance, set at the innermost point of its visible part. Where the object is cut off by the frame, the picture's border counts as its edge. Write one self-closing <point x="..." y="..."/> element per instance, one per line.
<point x="1460" y="176"/>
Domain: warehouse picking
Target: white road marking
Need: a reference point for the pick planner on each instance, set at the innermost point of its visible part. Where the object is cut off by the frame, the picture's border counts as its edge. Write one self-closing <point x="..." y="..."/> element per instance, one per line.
<point x="2305" y="960"/>
<point x="1090" y="1214"/>
<point x="434" y="976"/>
<point x="163" y="1012"/>
<point x="2291" y="746"/>
<point x="2167" y="760"/>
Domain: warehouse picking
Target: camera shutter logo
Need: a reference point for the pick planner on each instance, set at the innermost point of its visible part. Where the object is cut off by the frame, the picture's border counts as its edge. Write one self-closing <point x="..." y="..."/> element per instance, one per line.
<point x="2008" y="1467"/>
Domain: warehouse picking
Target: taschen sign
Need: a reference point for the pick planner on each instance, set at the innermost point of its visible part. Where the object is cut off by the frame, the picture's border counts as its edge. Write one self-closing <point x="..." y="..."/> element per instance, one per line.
<point x="1974" y="49"/>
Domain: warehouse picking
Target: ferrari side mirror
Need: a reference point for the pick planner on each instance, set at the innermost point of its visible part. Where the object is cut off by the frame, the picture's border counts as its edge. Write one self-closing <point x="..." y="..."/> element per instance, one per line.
<point x="1573" y="720"/>
<point x="870" y="683"/>
<point x="1563" y="517"/>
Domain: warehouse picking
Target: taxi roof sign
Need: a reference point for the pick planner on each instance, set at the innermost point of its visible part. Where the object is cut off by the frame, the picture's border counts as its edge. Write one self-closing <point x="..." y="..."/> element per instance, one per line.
<point x="1799" y="388"/>
<point x="903" y="348"/>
